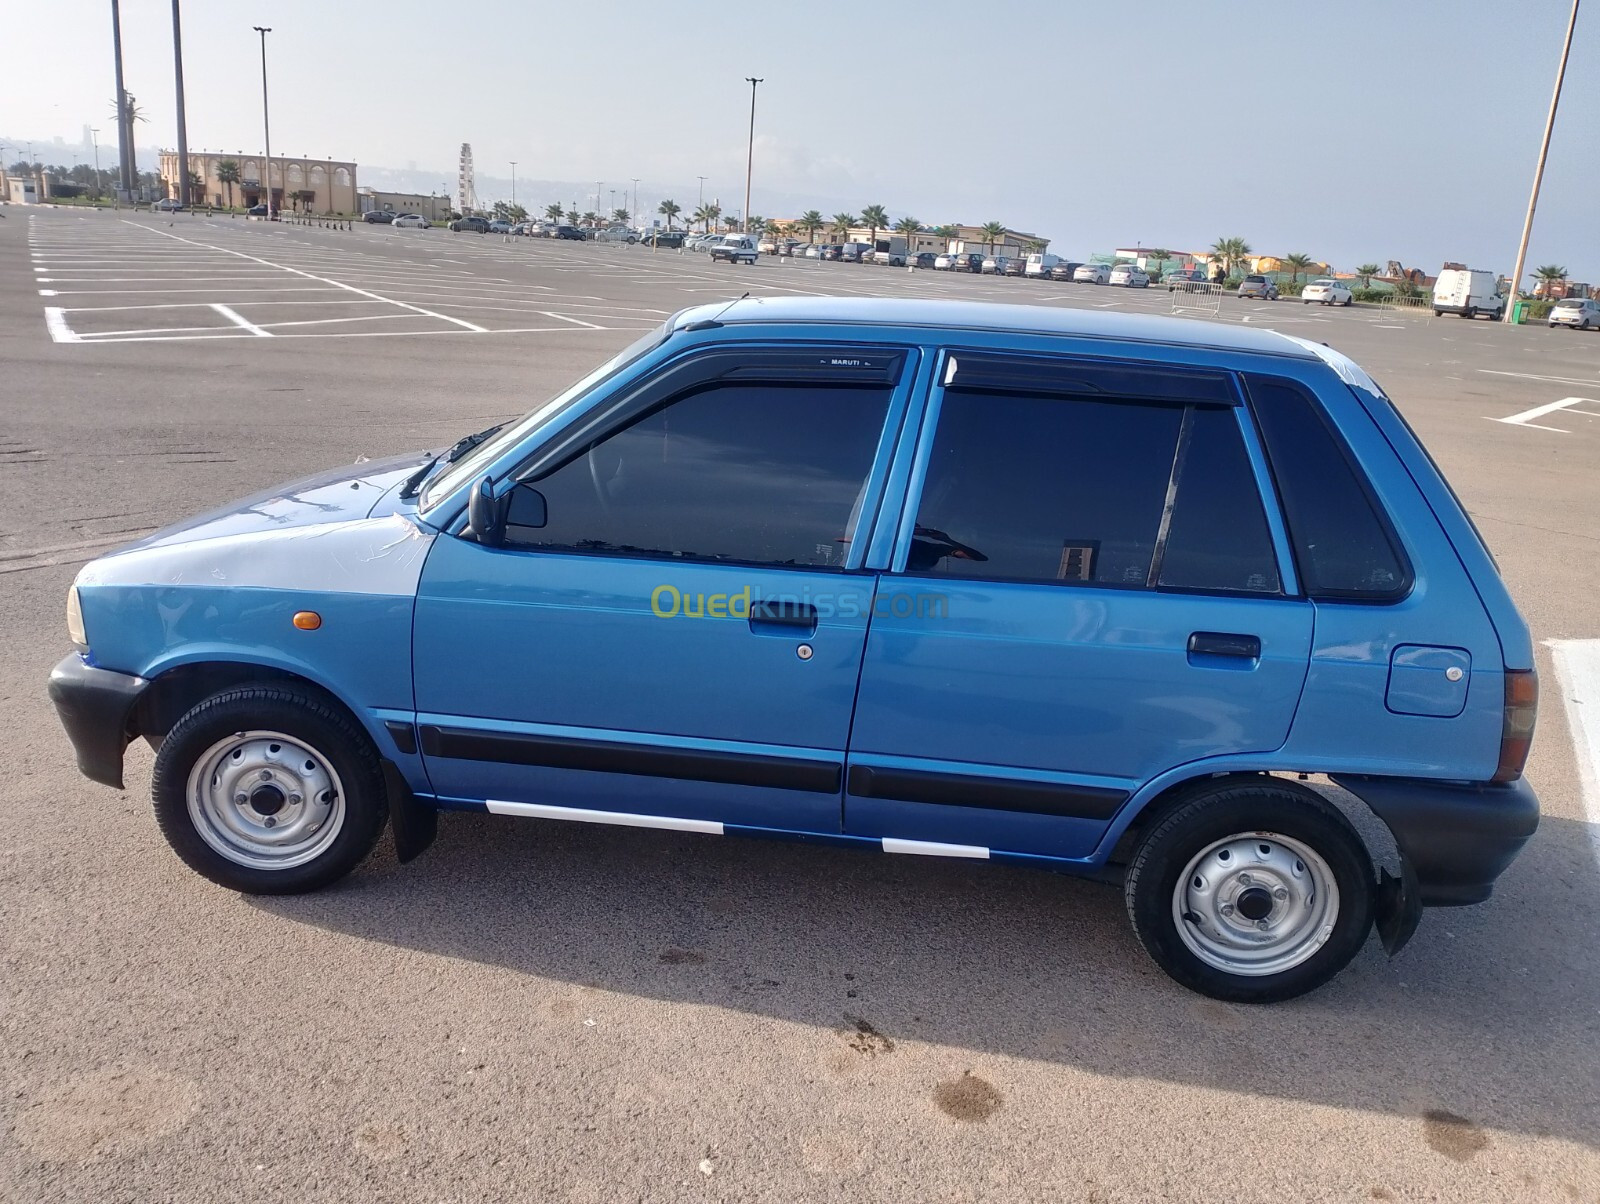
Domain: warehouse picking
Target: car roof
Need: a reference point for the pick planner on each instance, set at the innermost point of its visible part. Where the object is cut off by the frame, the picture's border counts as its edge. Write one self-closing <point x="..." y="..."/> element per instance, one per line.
<point x="981" y="315"/>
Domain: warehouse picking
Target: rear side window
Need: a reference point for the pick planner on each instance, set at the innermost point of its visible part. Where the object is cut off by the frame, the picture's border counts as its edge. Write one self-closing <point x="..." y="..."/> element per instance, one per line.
<point x="1042" y="484"/>
<point x="1343" y="545"/>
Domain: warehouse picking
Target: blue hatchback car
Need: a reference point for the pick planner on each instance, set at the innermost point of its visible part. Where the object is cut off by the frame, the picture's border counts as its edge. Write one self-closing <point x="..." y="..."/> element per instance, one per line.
<point x="1182" y="604"/>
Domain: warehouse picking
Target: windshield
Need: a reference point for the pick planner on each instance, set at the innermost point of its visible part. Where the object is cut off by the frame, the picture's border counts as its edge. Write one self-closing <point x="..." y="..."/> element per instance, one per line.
<point x="489" y="450"/>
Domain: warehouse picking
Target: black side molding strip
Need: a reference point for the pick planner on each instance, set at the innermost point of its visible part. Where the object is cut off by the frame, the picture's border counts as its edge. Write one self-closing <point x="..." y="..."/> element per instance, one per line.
<point x="608" y="756"/>
<point x="992" y="794"/>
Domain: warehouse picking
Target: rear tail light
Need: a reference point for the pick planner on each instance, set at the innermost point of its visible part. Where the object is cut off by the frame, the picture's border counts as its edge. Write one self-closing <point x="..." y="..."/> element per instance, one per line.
<point x="1516" y="731"/>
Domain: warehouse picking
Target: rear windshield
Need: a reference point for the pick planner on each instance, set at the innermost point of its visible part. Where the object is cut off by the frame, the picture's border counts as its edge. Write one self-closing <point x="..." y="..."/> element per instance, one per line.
<point x="1569" y="303"/>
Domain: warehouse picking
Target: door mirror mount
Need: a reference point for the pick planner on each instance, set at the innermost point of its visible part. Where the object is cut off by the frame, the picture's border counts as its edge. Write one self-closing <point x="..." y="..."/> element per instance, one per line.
<point x="486" y="515"/>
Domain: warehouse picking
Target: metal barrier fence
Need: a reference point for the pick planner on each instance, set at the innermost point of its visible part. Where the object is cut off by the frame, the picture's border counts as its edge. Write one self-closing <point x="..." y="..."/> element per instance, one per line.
<point x="1418" y="306"/>
<point x="1199" y="297"/>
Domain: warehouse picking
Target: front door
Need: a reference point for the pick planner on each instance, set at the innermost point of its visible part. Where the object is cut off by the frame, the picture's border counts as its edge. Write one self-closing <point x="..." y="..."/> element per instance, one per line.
<point x="679" y="644"/>
<point x="1087" y="592"/>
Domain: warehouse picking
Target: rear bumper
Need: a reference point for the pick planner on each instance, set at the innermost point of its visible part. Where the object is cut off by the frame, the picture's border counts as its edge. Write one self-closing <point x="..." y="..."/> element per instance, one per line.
<point x="94" y="706"/>
<point x="1457" y="838"/>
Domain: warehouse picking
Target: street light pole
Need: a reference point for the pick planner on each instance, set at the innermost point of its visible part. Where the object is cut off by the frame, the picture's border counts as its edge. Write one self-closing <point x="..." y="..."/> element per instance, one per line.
<point x="183" y="135"/>
<point x="266" y="120"/>
<point x="125" y="155"/>
<point x="1538" y="172"/>
<point x="750" y="155"/>
<point x="635" y="199"/>
<point x="513" y="183"/>
<point x="94" y="136"/>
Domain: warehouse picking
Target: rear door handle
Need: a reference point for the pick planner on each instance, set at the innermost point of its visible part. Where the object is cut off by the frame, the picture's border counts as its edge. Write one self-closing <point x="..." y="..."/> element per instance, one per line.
<point x="783" y="614"/>
<point x="1225" y="643"/>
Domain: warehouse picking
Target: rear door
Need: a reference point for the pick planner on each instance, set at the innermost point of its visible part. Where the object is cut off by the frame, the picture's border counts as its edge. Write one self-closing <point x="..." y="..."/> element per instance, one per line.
<point x="1086" y="591"/>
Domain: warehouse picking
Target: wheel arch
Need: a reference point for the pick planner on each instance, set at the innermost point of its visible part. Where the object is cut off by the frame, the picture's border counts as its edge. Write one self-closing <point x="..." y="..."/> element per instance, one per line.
<point x="178" y="688"/>
<point x="1397" y="898"/>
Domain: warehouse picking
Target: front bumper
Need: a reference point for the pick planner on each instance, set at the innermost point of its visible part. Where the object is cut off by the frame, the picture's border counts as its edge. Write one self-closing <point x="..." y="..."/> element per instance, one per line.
<point x="1457" y="838"/>
<point x="94" y="705"/>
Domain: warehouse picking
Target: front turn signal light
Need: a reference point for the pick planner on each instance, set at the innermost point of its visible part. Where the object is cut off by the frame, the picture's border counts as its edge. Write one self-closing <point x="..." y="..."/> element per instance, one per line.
<point x="75" y="631"/>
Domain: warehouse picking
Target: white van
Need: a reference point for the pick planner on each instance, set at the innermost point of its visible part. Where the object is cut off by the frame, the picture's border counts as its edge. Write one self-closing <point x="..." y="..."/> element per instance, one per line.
<point x="736" y="248"/>
<point x="1039" y="265"/>
<point x="1468" y="292"/>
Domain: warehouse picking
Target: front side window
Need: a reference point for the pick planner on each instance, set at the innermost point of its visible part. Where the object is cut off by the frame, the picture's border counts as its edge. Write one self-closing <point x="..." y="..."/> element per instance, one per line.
<point x="765" y="474"/>
<point x="1038" y="486"/>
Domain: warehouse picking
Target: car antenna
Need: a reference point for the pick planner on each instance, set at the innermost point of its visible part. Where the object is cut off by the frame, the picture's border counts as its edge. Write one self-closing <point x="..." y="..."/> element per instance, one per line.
<point x="713" y="322"/>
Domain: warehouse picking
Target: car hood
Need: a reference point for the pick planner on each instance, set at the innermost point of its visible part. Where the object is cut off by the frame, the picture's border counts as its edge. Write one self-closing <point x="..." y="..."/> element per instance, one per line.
<point x="337" y="495"/>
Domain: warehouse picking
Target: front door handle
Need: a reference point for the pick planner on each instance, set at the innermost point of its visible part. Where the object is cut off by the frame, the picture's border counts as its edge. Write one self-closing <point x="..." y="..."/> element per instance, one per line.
<point x="1225" y="643"/>
<point x="771" y="614"/>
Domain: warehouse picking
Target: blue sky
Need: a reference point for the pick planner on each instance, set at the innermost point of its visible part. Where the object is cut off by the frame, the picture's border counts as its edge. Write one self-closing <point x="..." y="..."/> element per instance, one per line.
<point x="1359" y="130"/>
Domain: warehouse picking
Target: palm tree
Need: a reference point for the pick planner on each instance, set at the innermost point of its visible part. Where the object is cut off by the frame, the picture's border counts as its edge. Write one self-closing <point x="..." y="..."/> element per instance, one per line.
<point x="554" y="211"/>
<point x="703" y="216"/>
<point x="874" y="218"/>
<point x="1548" y="276"/>
<point x="1298" y="262"/>
<point x="1231" y="251"/>
<point x="228" y="176"/>
<point x="811" y="221"/>
<point x="755" y="224"/>
<point x="842" y="222"/>
<point x="620" y="215"/>
<point x="993" y="232"/>
<point x="910" y="227"/>
<point x="591" y="218"/>
<point x="1367" y="271"/>
<point x="772" y="228"/>
<point x="669" y="210"/>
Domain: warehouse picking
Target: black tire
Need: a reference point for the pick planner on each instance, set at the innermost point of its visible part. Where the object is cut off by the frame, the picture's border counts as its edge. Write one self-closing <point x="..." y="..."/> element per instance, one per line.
<point x="301" y="716"/>
<point x="1213" y="814"/>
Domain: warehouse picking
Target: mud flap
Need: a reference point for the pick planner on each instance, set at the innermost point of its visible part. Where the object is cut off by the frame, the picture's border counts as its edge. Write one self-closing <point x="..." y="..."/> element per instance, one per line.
<point x="414" y="822"/>
<point x="1399" y="907"/>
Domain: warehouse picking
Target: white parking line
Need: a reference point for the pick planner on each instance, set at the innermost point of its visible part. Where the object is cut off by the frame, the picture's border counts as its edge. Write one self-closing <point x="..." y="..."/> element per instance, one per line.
<point x="1566" y="403"/>
<point x="238" y="321"/>
<point x="1578" y="678"/>
<point x="55" y="322"/>
<point x="462" y="322"/>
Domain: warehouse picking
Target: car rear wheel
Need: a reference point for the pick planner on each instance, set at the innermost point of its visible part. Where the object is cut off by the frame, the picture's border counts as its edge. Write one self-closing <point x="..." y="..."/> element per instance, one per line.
<point x="269" y="790"/>
<point x="1251" y="894"/>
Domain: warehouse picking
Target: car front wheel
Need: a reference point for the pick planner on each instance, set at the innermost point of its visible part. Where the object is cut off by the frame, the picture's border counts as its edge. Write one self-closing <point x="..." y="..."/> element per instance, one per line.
<point x="269" y="790"/>
<point x="1251" y="894"/>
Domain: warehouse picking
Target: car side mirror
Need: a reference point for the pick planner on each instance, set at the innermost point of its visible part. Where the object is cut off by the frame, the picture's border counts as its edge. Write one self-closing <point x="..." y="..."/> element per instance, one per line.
<point x="486" y="514"/>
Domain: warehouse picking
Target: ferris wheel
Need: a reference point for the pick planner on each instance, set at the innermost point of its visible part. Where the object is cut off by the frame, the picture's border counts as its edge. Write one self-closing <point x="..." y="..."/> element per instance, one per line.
<point x="466" y="186"/>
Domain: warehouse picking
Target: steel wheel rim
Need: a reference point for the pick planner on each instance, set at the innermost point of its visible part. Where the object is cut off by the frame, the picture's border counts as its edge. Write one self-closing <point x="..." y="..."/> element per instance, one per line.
<point x="265" y="800"/>
<point x="1256" y="903"/>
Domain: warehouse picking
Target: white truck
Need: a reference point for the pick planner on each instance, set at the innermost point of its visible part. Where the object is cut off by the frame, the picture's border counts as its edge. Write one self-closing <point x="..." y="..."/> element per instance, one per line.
<point x="1039" y="265"/>
<point x="1468" y="292"/>
<point x="736" y="248"/>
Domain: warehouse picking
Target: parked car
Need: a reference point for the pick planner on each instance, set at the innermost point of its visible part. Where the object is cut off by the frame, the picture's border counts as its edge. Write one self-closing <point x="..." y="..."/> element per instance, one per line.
<point x="1327" y="290"/>
<point x="1129" y="275"/>
<point x="1015" y="266"/>
<point x="499" y="226"/>
<point x="1091" y="273"/>
<point x="922" y="259"/>
<point x="1039" y="265"/>
<point x="260" y="211"/>
<point x="378" y="217"/>
<point x="1141" y="699"/>
<point x="1183" y="277"/>
<point x="571" y="233"/>
<point x="855" y="252"/>
<point x="473" y="225"/>
<point x="167" y="205"/>
<point x="620" y="234"/>
<point x="832" y="251"/>
<point x="1258" y="286"/>
<point x="668" y="239"/>
<point x="1580" y="312"/>
<point x="410" y="221"/>
<point x="736" y="248"/>
<point x="995" y="265"/>
<point x="945" y="262"/>
<point x="1065" y="271"/>
<point x="889" y="259"/>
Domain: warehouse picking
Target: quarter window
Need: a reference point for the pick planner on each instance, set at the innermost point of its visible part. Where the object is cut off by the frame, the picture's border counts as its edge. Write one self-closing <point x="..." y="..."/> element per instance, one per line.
<point x="1041" y="486"/>
<point x="757" y="474"/>
<point x="1343" y="547"/>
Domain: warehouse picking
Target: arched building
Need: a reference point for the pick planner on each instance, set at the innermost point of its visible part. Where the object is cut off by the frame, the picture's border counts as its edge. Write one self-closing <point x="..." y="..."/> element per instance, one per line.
<point x="299" y="183"/>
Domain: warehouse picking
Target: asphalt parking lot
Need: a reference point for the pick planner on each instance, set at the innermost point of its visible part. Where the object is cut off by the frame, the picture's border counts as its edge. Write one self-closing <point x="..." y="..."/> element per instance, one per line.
<point x="567" y="1012"/>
